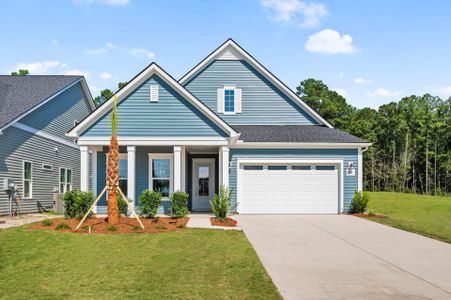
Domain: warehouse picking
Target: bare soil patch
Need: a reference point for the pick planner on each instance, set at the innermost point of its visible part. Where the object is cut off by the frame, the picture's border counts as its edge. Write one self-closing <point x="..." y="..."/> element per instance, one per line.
<point x="228" y="222"/>
<point x="126" y="225"/>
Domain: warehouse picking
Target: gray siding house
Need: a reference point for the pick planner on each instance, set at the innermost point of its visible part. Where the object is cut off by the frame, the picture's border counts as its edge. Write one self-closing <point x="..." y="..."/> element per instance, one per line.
<point x="35" y="113"/>
<point x="230" y="122"/>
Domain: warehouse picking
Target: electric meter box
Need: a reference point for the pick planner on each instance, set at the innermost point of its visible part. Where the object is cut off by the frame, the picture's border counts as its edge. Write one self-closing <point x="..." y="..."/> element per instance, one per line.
<point x="8" y="184"/>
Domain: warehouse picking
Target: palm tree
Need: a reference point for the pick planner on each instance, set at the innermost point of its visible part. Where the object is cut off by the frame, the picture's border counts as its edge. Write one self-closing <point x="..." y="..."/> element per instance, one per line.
<point x="113" y="170"/>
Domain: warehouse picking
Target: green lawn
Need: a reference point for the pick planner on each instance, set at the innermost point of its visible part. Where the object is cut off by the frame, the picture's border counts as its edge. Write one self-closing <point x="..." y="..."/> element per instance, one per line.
<point x="426" y="215"/>
<point x="186" y="264"/>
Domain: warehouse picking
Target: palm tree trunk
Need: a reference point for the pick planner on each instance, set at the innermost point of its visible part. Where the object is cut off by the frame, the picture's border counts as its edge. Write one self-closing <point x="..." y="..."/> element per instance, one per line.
<point x="113" y="181"/>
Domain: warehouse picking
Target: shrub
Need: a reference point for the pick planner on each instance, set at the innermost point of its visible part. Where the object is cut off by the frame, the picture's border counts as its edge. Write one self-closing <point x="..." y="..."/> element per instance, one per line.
<point x="360" y="202"/>
<point x="150" y="201"/>
<point x="221" y="204"/>
<point x="121" y="205"/>
<point x="179" y="204"/>
<point x="77" y="203"/>
<point x="62" y="226"/>
<point x="111" y="228"/>
<point x="47" y="222"/>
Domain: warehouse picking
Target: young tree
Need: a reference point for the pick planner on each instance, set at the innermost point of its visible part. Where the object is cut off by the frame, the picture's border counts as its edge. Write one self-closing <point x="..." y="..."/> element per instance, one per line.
<point x="113" y="170"/>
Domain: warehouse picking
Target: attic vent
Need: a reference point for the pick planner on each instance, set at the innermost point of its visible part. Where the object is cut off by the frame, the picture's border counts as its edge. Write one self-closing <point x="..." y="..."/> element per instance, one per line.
<point x="153" y="93"/>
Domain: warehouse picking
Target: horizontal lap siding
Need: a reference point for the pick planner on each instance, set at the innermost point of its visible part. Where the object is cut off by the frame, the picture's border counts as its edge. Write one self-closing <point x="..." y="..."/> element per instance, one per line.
<point x="17" y="146"/>
<point x="262" y="102"/>
<point x="350" y="183"/>
<point x="141" y="175"/>
<point x="57" y="116"/>
<point x="172" y="115"/>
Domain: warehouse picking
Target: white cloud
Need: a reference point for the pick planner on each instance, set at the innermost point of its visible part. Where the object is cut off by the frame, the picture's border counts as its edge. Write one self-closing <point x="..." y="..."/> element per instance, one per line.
<point x="106" y="2"/>
<point x="340" y="91"/>
<point x="444" y="91"/>
<point x="38" y="67"/>
<point x="50" y="67"/>
<point x="329" y="41"/>
<point x="138" y="52"/>
<point x="55" y="42"/>
<point x="105" y="75"/>
<point x="360" y="80"/>
<point x="96" y="51"/>
<point x="382" y="92"/>
<point x="297" y="12"/>
<point x="142" y="52"/>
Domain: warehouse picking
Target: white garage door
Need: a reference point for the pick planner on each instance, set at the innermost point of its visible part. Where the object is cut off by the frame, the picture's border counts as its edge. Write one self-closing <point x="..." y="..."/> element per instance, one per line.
<point x="281" y="188"/>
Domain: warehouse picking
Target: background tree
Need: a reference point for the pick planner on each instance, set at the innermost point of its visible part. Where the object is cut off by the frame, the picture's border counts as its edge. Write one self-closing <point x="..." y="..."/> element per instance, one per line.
<point x="21" y="72"/>
<point x="104" y="96"/>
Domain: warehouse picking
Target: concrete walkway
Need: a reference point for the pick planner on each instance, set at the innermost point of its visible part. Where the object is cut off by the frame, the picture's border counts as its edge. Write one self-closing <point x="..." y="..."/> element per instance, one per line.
<point x="24" y="219"/>
<point x="345" y="257"/>
<point x="202" y="220"/>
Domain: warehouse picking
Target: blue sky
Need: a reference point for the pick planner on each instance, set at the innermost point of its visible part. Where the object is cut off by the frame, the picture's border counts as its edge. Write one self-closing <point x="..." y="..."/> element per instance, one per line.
<point x="371" y="52"/>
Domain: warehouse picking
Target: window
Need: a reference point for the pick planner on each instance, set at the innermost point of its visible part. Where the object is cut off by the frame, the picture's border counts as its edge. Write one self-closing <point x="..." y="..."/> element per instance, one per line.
<point x="229" y="101"/>
<point x="325" y="168"/>
<point x="278" y="168"/>
<point x="204" y="180"/>
<point x="47" y="167"/>
<point x="123" y="172"/>
<point x="65" y="180"/>
<point x="153" y="93"/>
<point x="306" y="168"/>
<point x="27" y="179"/>
<point x="161" y="173"/>
<point x="253" y="167"/>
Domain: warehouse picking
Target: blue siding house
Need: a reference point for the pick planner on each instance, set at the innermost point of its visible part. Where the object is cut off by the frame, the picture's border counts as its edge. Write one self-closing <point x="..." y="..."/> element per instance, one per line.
<point x="228" y="121"/>
<point x="35" y="154"/>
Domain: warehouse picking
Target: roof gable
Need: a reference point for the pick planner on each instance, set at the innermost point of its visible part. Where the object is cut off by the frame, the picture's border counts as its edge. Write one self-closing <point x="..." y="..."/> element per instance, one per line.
<point x="143" y="77"/>
<point x="20" y="95"/>
<point x="230" y="50"/>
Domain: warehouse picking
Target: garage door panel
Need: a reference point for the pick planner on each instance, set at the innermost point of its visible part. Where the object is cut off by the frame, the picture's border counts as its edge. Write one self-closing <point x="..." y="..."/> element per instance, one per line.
<point x="289" y="191"/>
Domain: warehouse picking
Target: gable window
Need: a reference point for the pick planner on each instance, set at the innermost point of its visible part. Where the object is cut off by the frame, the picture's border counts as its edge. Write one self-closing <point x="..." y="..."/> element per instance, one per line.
<point x="65" y="180"/>
<point x="27" y="179"/>
<point x="160" y="179"/>
<point x="229" y="101"/>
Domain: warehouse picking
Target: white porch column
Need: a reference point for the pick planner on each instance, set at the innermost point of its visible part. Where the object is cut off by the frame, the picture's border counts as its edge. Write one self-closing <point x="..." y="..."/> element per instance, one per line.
<point x="177" y="168"/>
<point x="94" y="173"/>
<point x="84" y="168"/>
<point x="131" y="173"/>
<point x="360" y="170"/>
<point x="224" y="166"/>
<point x="183" y="171"/>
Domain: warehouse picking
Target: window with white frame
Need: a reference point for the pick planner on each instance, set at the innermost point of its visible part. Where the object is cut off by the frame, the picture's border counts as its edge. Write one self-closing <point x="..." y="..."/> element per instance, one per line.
<point x="27" y="179"/>
<point x="229" y="100"/>
<point x="161" y="174"/>
<point x="65" y="180"/>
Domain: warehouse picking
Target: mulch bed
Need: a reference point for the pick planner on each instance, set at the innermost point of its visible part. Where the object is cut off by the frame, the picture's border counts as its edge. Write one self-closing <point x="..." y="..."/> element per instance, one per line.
<point x="368" y="216"/>
<point x="229" y="222"/>
<point x="126" y="225"/>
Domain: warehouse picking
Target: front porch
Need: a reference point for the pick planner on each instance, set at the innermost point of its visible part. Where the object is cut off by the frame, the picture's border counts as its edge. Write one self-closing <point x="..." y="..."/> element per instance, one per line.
<point x="198" y="170"/>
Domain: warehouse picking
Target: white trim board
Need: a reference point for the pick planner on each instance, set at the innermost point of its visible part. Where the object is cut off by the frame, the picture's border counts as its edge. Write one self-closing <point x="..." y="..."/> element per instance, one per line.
<point x="86" y="91"/>
<point x="45" y="135"/>
<point x="152" y="69"/>
<point x="338" y="162"/>
<point x="155" y="141"/>
<point x="239" y="53"/>
<point x="241" y="144"/>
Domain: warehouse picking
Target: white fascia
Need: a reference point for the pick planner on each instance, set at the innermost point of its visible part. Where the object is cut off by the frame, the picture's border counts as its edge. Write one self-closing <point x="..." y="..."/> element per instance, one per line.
<point x="240" y="144"/>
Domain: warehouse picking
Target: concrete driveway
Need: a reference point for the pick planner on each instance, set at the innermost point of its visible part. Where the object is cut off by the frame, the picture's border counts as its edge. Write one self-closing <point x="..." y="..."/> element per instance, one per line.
<point x="345" y="257"/>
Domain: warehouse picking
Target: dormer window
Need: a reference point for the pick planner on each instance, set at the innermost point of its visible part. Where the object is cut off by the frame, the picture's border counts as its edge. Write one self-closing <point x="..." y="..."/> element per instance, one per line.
<point x="229" y="100"/>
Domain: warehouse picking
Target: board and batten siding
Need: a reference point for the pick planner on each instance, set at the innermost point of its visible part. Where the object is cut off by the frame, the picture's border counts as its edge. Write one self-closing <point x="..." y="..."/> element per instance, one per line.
<point x="18" y="146"/>
<point x="262" y="102"/>
<point x="350" y="183"/>
<point x="172" y="115"/>
<point x="58" y="115"/>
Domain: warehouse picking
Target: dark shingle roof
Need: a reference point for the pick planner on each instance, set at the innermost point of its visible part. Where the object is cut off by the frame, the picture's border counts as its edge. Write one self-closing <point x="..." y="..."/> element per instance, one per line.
<point x="19" y="94"/>
<point x="294" y="134"/>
